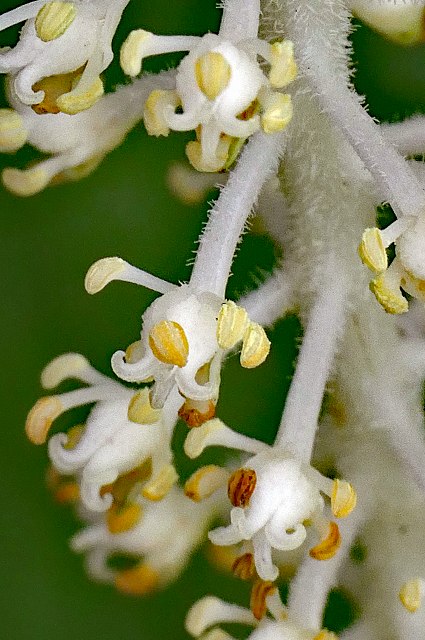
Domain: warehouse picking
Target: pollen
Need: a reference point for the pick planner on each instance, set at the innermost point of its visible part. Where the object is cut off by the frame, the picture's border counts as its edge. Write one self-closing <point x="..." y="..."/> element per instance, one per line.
<point x="388" y="297"/>
<point x="283" y="69"/>
<point x="72" y="103"/>
<point x="196" y="412"/>
<point x="411" y="594"/>
<point x="137" y="581"/>
<point x="65" y="366"/>
<point x="54" y="19"/>
<point x="205" y="481"/>
<point x="195" y="155"/>
<point x="74" y="436"/>
<point x="372" y="251"/>
<point x="123" y="518"/>
<point x="153" y="114"/>
<point x="158" y="486"/>
<point x="13" y="134"/>
<point x="140" y="409"/>
<point x="212" y="73"/>
<point x="255" y="346"/>
<point x="40" y="418"/>
<point x="278" y="112"/>
<point x="327" y="548"/>
<point x="131" y="54"/>
<point x="343" y="498"/>
<point x="244" y="567"/>
<point x="232" y="323"/>
<point x="241" y="487"/>
<point x="25" y="183"/>
<point x="168" y="343"/>
<point x="54" y="87"/>
<point x="67" y="493"/>
<point x="259" y="593"/>
<point x="102" y="272"/>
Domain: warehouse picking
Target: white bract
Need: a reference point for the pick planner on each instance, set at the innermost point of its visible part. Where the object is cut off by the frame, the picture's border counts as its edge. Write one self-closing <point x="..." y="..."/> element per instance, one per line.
<point x="221" y="88"/>
<point x="60" y="38"/>
<point x="110" y="444"/>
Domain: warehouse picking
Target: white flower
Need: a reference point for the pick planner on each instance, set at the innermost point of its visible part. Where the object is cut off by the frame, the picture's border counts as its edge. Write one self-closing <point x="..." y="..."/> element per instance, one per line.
<point x="78" y="143"/>
<point x="185" y="333"/>
<point x="396" y="19"/>
<point x="59" y="38"/>
<point x="210" y="611"/>
<point x="272" y="495"/>
<point x="222" y="90"/>
<point x="110" y="444"/>
<point x="163" y="540"/>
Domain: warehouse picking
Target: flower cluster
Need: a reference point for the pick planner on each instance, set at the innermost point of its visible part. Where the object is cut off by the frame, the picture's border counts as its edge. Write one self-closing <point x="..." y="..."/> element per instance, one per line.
<point x="354" y="406"/>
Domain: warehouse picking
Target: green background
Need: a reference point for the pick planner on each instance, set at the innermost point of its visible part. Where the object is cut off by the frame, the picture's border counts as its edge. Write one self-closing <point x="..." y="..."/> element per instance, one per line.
<point x="48" y="242"/>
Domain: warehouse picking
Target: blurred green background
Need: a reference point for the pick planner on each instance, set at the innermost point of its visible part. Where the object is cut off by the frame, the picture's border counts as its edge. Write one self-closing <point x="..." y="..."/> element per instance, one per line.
<point x="48" y="242"/>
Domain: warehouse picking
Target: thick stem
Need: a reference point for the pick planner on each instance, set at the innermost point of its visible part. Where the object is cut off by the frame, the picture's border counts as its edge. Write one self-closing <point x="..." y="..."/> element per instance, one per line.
<point x="240" y="19"/>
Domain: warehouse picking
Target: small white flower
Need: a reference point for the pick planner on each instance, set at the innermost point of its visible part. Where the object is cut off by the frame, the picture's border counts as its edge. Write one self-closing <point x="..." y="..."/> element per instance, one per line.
<point x="110" y="444"/>
<point x="78" y="143"/>
<point x="223" y="92"/>
<point x="272" y="497"/>
<point x="59" y="38"/>
<point x="163" y="540"/>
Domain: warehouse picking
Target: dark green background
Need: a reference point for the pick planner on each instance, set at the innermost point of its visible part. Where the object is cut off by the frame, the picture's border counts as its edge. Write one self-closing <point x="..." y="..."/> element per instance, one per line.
<point x="48" y="242"/>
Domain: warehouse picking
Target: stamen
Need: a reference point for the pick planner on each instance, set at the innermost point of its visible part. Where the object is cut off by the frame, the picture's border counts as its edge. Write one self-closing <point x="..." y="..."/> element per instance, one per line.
<point x="210" y="611"/>
<point x="217" y="634"/>
<point x="255" y="346"/>
<point x="283" y="69"/>
<point x="205" y="481"/>
<point x="73" y="437"/>
<point x="326" y="635"/>
<point x="67" y="493"/>
<point x="328" y="547"/>
<point x="158" y="486"/>
<point x="41" y="417"/>
<point x="244" y="567"/>
<point x="53" y="87"/>
<point x="72" y="103"/>
<point x="122" y="518"/>
<point x="196" y="412"/>
<point x="54" y="19"/>
<point x="134" y="353"/>
<point x="241" y="486"/>
<point x="212" y="72"/>
<point x="386" y="288"/>
<point x="131" y="54"/>
<point x="69" y="365"/>
<point x="169" y="343"/>
<point x="195" y="155"/>
<point x="13" y="134"/>
<point x="277" y="112"/>
<point x="343" y="498"/>
<point x="216" y="433"/>
<point x="25" y="183"/>
<point x="232" y="323"/>
<point x="154" y="112"/>
<point x="372" y="251"/>
<point x="411" y="594"/>
<point x="137" y="581"/>
<point x="258" y="603"/>
<point x="107" y="270"/>
<point x="140" y="409"/>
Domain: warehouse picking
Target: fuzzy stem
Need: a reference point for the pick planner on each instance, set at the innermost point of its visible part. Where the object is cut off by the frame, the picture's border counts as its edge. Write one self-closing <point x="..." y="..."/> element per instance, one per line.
<point x="271" y="301"/>
<point x="240" y="19"/>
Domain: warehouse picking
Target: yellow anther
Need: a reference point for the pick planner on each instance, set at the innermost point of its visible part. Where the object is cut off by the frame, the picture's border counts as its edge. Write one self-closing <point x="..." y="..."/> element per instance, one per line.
<point x="372" y="250"/>
<point x="411" y="594"/>
<point x="232" y="323"/>
<point x="244" y="567"/>
<point x="153" y="115"/>
<point x="74" y="436"/>
<point x="222" y="558"/>
<point x="196" y="412"/>
<point x="327" y="548"/>
<point x="168" y="343"/>
<point x="343" y="498"/>
<point x="67" y="493"/>
<point x="158" y="486"/>
<point x="326" y="635"/>
<point x="68" y="365"/>
<point x="198" y="439"/>
<point x="277" y="112"/>
<point x="131" y="54"/>
<point x="390" y="298"/>
<point x="137" y="581"/>
<point x="40" y="418"/>
<point x="122" y="518"/>
<point x="54" y="87"/>
<point x="72" y="103"/>
<point x="283" y="69"/>
<point x="212" y="72"/>
<point x="134" y="352"/>
<point x="205" y="481"/>
<point x="25" y="183"/>
<point x="54" y="19"/>
<point x="414" y="286"/>
<point x="102" y="273"/>
<point x="241" y="486"/>
<point x="13" y="134"/>
<point x="259" y="593"/>
<point x="140" y="409"/>
<point x="255" y="346"/>
<point x="195" y="157"/>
